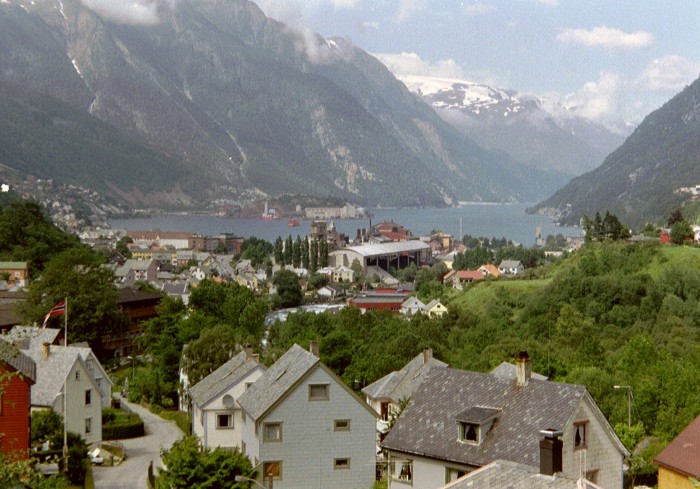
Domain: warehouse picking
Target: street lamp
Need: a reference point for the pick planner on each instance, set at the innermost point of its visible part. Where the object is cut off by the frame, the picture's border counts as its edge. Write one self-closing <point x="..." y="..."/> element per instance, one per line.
<point x="241" y="478"/>
<point x="630" y="398"/>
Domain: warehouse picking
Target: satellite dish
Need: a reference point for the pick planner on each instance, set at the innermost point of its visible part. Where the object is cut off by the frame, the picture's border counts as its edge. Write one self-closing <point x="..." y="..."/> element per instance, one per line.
<point x="228" y="401"/>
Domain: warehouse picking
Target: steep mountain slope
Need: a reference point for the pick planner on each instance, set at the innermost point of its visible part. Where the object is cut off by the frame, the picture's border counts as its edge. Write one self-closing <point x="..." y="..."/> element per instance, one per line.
<point x="541" y="133"/>
<point x="216" y="89"/>
<point x="640" y="182"/>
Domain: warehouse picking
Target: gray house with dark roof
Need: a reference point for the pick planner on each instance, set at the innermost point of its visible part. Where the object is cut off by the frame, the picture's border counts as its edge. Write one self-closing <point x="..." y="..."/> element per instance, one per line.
<point x="458" y="421"/>
<point x="306" y="428"/>
<point x="217" y="418"/>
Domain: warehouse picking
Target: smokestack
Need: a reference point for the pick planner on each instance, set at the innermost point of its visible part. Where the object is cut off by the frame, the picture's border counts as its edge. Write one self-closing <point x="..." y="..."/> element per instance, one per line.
<point x="427" y="354"/>
<point x="248" y="352"/>
<point x="313" y="348"/>
<point x="551" y="448"/>
<point x="46" y="348"/>
<point x="523" y="367"/>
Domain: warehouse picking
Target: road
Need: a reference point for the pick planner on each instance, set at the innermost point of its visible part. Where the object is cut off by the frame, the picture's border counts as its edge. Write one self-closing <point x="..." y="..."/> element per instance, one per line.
<point x="132" y="473"/>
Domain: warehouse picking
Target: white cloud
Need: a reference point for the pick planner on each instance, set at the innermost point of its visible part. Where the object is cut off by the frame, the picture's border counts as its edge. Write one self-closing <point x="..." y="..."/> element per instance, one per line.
<point x="606" y="37"/>
<point x="669" y="73"/>
<point x="409" y="8"/>
<point x="136" y="12"/>
<point x="479" y="8"/>
<point x="411" y="64"/>
<point x="605" y="100"/>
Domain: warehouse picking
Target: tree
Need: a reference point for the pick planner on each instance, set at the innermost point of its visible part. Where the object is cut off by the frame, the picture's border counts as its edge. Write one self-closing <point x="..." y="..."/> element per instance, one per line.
<point x="77" y="274"/>
<point x="305" y="253"/>
<point x="676" y="216"/>
<point x="680" y="232"/>
<point x="189" y="467"/>
<point x="313" y="257"/>
<point x="323" y="254"/>
<point x="214" y="347"/>
<point x="296" y="252"/>
<point x="279" y="251"/>
<point x="122" y="246"/>
<point x="288" y="250"/>
<point x="288" y="289"/>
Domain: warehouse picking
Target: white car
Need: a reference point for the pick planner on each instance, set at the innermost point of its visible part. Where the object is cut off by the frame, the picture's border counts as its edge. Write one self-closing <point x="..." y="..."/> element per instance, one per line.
<point x="95" y="457"/>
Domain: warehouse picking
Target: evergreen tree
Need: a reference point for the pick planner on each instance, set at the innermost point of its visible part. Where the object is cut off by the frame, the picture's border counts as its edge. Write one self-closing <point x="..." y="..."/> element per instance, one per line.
<point x="305" y="253"/>
<point x="323" y="254"/>
<point x="288" y="252"/>
<point x="313" y="256"/>
<point x="279" y="251"/>
<point x="296" y="252"/>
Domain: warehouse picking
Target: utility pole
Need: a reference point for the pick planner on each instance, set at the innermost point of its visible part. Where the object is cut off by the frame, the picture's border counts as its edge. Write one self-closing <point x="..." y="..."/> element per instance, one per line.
<point x="630" y="397"/>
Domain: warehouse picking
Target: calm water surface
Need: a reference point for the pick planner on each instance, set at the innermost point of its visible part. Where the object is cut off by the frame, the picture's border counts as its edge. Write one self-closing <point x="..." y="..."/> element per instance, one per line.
<point x="497" y="220"/>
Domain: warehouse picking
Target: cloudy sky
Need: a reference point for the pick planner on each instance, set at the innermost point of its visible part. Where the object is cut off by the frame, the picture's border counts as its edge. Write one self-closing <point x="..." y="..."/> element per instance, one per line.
<point x="615" y="59"/>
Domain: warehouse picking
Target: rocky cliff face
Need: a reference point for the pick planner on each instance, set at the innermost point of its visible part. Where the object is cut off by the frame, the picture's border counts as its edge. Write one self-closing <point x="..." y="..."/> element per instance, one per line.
<point x="223" y="101"/>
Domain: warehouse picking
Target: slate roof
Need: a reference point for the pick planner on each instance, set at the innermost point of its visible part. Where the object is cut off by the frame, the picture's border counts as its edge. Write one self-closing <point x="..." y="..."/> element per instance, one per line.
<point x="428" y="425"/>
<point x="503" y="474"/>
<point x="17" y="360"/>
<point x="222" y="378"/>
<point x="683" y="453"/>
<point x="388" y="248"/>
<point x="51" y="372"/>
<point x="32" y="337"/>
<point x="281" y="376"/>
<point x="402" y="383"/>
<point x="509" y="371"/>
<point x="510" y="264"/>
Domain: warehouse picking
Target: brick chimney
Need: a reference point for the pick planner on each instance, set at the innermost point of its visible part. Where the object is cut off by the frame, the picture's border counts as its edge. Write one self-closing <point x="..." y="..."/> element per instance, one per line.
<point x="427" y="354"/>
<point x="46" y="349"/>
<point x="313" y="348"/>
<point x="248" y="352"/>
<point x="551" y="448"/>
<point x="523" y="368"/>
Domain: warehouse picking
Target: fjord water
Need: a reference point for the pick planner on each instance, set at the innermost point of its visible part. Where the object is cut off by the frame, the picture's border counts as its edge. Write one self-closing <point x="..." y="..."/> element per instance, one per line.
<point x="489" y="220"/>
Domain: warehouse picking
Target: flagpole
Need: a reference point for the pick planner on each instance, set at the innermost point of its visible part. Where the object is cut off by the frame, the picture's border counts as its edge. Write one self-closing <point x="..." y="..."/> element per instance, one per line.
<point x="65" y="389"/>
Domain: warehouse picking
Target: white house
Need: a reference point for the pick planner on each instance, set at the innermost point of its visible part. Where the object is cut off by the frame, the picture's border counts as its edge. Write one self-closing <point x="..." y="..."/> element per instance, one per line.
<point x="435" y="308"/>
<point x="458" y="421"/>
<point x="412" y="305"/>
<point x="511" y="267"/>
<point x="306" y="429"/>
<point x="217" y="418"/>
<point x="58" y="367"/>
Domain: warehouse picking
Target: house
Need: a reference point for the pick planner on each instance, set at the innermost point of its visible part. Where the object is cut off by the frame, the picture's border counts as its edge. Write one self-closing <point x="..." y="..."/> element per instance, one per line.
<point x="435" y="308"/>
<point x="386" y="394"/>
<point x="137" y="271"/>
<point x="16" y="273"/>
<point x="305" y="428"/>
<point x="679" y="462"/>
<point x="489" y="270"/>
<point x="330" y="291"/>
<point x="342" y="274"/>
<point x="503" y="474"/>
<point x="375" y="301"/>
<point x="17" y="375"/>
<point x="217" y="419"/>
<point x="138" y="306"/>
<point x="511" y="267"/>
<point x="458" y="421"/>
<point x="412" y="305"/>
<point x="61" y="370"/>
<point x="457" y="278"/>
<point x="8" y="314"/>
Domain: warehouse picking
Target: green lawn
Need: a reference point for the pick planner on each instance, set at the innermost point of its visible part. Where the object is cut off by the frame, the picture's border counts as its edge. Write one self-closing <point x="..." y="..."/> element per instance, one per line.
<point x="478" y="296"/>
<point x="671" y="255"/>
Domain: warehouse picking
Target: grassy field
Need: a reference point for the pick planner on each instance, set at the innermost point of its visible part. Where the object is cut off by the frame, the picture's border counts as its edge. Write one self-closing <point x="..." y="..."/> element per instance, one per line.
<point x="477" y="297"/>
<point x="682" y="256"/>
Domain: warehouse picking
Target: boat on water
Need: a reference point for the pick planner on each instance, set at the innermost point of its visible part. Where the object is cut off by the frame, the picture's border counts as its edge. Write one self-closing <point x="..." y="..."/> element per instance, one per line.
<point x="269" y="214"/>
<point x="292" y="223"/>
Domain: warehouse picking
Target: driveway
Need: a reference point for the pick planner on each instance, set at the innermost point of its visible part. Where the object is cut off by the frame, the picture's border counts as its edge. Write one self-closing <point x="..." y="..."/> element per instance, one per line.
<point x="131" y="474"/>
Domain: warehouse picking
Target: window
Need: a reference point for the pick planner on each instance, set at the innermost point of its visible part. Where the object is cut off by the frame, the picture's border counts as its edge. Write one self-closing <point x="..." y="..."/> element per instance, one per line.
<point x="341" y="425"/>
<point x="403" y="470"/>
<point x="469" y="432"/>
<point x="88" y="397"/>
<point x="453" y="474"/>
<point x="77" y="375"/>
<point x="224" y="421"/>
<point x="384" y="410"/>
<point x="88" y="426"/>
<point x="580" y="435"/>
<point x="272" y="432"/>
<point x="247" y="385"/>
<point x="318" y="392"/>
<point x="592" y="475"/>
<point x="341" y="463"/>
<point x="99" y="383"/>
<point x="272" y="470"/>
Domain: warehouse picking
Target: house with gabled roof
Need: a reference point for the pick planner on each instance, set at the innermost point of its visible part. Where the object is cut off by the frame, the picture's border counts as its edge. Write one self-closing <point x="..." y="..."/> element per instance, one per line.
<point x="17" y="376"/>
<point x="61" y="370"/>
<point x="386" y="394"/>
<point x="679" y="462"/>
<point x="435" y="308"/>
<point x="217" y="418"/>
<point x="511" y="267"/>
<point x="412" y="305"/>
<point x="305" y="428"/>
<point x="458" y="421"/>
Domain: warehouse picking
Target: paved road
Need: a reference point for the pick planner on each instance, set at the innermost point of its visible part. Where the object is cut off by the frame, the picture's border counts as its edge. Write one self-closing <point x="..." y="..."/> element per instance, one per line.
<point x="131" y="474"/>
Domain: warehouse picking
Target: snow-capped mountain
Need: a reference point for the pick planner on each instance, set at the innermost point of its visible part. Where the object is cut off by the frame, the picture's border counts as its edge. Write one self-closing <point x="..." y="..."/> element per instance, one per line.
<point x="541" y="132"/>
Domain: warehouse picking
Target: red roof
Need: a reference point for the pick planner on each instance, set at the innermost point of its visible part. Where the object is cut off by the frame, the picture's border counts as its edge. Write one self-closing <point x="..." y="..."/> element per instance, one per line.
<point x="470" y="275"/>
<point x="683" y="453"/>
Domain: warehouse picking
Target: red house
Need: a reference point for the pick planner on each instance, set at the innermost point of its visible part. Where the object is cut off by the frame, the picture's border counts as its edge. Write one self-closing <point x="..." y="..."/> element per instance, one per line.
<point x="17" y="374"/>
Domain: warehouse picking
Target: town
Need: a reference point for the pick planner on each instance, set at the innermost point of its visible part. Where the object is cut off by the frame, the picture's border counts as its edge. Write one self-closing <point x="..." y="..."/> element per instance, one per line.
<point x="379" y="360"/>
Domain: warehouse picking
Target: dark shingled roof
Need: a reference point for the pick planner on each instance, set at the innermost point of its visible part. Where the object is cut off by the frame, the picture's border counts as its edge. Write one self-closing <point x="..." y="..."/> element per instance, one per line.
<point x="683" y="453"/>
<point x="222" y="378"/>
<point x="429" y="426"/>
<point x="402" y="383"/>
<point x="10" y="355"/>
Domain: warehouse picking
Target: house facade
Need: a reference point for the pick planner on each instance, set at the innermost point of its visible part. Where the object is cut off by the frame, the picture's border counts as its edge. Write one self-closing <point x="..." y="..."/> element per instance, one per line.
<point x="17" y="375"/>
<point x="16" y="273"/>
<point x="511" y="267"/>
<point x="217" y="419"/>
<point x="306" y="429"/>
<point x="679" y="462"/>
<point x="435" y="308"/>
<point x="458" y="421"/>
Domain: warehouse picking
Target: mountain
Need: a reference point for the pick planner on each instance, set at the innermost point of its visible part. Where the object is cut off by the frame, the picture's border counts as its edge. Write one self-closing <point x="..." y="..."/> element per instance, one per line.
<point x="540" y="132"/>
<point x="647" y="177"/>
<point x="206" y="99"/>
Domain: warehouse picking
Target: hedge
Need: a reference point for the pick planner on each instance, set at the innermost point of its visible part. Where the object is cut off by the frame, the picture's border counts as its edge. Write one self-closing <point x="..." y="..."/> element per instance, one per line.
<point x="131" y="428"/>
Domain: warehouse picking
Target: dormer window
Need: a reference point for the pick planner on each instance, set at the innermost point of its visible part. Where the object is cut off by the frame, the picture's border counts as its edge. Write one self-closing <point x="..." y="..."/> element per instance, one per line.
<point x="474" y="423"/>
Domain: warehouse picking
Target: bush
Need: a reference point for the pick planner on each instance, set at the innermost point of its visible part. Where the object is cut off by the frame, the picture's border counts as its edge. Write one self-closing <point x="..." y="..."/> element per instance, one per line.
<point x="132" y="428"/>
<point x="45" y="424"/>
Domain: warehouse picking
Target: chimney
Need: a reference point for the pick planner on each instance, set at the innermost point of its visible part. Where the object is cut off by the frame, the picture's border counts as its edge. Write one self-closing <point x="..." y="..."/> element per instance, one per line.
<point x="313" y="348"/>
<point x="427" y="354"/>
<point x="551" y="448"/>
<point x="46" y="348"/>
<point x="523" y="367"/>
<point x="248" y="352"/>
